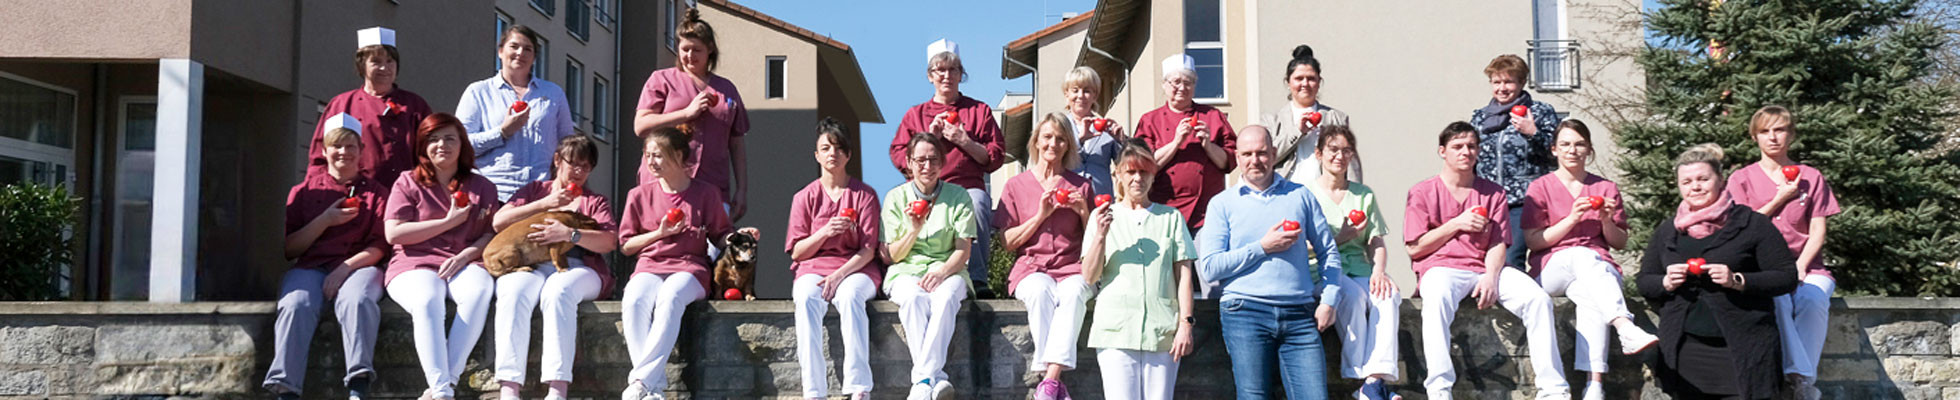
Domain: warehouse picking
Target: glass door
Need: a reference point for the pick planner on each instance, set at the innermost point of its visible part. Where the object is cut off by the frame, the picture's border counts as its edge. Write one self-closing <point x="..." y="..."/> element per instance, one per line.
<point x="135" y="165"/>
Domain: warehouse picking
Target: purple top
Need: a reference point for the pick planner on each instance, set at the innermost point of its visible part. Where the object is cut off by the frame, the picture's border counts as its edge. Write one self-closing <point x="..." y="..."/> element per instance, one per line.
<point x="1751" y="187"/>
<point x="1430" y="205"/>
<point x="311" y="197"/>
<point x="670" y="90"/>
<point x="1056" y="247"/>
<point x="1548" y="201"/>
<point x="960" y="168"/>
<point x="812" y="208"/>
<point x="409" y="201"/>
<point x="592" y="204"/>
<point x="387" y="133"/>
<point x="646" y="210"/>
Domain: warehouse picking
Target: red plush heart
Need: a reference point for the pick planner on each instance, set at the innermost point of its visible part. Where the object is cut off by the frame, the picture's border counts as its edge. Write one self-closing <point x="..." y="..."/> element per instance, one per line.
<point x="1313" y="119"/>
<point x="1355" y="217"/>
<point x="732" y="294"/>
<point x="519" y="107"/>
<point x="1790" y="173"/>
<point x="1061" y="196"/>
<point x="1519" y="110"/>
<point x="1481" y="211"/>
<point x="675" y="215"/>
<point x="1596" y="202"/>
<point x="575" y="190"/>
<point x="460" y="199"/>
<point x="1100" y="125"/>
<point x="920" y="208"/>
<point x="953" y="118"/>
<point x="1289" y="225"/>
<point x="1102" y="199"/>
<point x="1694" y="266"/>
<point x="351" y="202"/>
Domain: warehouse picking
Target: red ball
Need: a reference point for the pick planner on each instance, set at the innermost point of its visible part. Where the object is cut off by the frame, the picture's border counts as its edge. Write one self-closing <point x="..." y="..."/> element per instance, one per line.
<point x="732" y="294"/>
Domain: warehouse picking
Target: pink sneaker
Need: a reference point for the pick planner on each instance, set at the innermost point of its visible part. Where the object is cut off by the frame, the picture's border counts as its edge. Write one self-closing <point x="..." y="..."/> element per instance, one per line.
<point x="1051" y="390"/>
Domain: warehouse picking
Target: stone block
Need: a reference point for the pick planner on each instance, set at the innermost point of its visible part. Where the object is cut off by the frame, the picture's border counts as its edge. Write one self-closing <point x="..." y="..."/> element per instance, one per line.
<point x="1910" y="338"/>
<point x="1845" y="336"/>
<point x="1849" y="370"/>
<point x="23" y="382"/>
<point x="200" y="376"/>
<point x="120" y="344"/>
<point x="736" y="378"/>
<point x="47" y="345"/>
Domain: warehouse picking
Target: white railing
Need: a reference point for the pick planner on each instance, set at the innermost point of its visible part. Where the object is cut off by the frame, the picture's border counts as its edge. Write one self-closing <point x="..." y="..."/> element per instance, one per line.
<point x="1554" y="65"/>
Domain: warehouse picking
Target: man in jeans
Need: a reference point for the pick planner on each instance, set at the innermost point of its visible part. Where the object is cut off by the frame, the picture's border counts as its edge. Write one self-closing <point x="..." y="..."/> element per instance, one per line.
<point x="1259" y="241"/>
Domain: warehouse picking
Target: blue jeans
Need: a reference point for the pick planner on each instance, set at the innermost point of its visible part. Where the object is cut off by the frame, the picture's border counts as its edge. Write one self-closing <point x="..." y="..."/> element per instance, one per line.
<point x="983" y="215"/>
<point x="1274" y="342"/>
<point x="1514" y="256"/>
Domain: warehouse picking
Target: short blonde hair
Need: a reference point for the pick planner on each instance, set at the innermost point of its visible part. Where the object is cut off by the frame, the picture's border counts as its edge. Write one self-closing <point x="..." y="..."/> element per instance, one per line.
<point x="1768" y="115"/>
<point x="1071" y="158"/>
<point x="1705" y="153"/>
<point x="338" y="136"/>
<point x="1508" y="64"/>
<point x="1085" y="78"/>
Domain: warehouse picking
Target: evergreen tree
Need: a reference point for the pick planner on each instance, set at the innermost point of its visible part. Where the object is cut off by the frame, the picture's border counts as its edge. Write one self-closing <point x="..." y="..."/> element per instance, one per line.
<point x="1856" y="75"/>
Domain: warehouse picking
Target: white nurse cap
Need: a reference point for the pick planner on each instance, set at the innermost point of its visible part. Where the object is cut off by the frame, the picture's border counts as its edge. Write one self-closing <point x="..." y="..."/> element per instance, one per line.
<point x="343" y="120"/>
<point x="942" y="46"/>
<point x="376" y="35"/>
<point x="1180" y="64"/>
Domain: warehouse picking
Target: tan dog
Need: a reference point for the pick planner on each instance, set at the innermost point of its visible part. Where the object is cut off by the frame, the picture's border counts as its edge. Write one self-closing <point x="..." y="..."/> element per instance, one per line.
<point x="510" y="251"/>
<point x="736" y="268"/>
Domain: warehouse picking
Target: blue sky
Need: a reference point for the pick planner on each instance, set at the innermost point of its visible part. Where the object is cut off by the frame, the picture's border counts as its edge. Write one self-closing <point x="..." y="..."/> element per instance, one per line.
<point x="890" y="36"/>
<point x="890" y="40"/>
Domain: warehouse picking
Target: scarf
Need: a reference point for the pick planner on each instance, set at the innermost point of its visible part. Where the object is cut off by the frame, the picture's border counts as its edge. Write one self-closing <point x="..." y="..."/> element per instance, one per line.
<point x="1498" y="115"/>
<point x="1705" y="221"/>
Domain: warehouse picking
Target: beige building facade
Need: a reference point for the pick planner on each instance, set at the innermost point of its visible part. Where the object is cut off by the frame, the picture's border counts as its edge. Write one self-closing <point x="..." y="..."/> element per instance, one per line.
<point x="1401" y="72"/>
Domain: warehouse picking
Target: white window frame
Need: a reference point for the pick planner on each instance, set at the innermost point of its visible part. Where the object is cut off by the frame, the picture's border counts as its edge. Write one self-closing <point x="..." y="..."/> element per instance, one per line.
<point x="29" y="150"/>
<point x="1225" y="62"/>
<point x="766" y="61"/>
<point x="547" y="13"/>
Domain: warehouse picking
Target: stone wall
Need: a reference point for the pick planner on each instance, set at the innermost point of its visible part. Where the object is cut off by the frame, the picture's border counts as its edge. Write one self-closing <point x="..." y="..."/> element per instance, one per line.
<point x="1879" y="348"/>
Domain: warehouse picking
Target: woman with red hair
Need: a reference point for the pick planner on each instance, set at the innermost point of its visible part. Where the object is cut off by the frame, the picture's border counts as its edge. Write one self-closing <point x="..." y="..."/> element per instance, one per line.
<point x="438" y="219"/>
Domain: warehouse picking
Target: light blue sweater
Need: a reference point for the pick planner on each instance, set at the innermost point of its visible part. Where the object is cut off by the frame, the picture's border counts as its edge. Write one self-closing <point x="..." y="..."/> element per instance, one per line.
<point x="1229" y="246"/>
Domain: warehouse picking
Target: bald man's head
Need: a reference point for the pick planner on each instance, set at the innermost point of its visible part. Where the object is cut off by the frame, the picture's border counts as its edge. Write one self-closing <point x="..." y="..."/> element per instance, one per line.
<point x="1255" y="155"/>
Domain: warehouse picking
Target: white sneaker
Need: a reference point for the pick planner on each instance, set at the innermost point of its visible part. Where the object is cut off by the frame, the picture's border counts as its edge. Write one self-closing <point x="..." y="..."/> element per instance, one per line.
<point x="1633" y="341"/>
<point x="1595" y="392"/>
<point x="920" y="391"/>
<point x="1805" y="388"/>
<point x="637" y="391"/>
<point x="942" y="390"/>
<point x="1555" y="394"/>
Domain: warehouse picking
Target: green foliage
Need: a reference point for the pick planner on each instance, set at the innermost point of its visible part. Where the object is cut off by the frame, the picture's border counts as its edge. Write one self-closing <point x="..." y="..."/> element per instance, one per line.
<point x="34" y="242"/>
<point x="1000" y="262"/>
<point x="1855" y="74"/>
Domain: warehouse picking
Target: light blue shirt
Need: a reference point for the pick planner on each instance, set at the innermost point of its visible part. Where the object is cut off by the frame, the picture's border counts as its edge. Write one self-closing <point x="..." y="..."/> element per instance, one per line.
<point x="526" y="155"/>
<point x="1235" y="221"/>
<point x="1097" y="153"/>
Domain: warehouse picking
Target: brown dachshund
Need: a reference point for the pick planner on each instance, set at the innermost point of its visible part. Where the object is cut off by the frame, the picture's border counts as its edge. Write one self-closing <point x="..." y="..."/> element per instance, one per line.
<point x="510" y="251"/>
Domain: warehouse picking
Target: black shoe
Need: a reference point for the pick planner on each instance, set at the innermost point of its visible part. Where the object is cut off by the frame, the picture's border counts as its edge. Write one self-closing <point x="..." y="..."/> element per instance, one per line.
<point x="357" y="388"/>
<point x="289" y="396"/>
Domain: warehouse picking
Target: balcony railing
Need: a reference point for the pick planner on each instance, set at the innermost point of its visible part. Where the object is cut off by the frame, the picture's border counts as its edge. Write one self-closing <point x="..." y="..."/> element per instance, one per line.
<point x="1554" y="65"/>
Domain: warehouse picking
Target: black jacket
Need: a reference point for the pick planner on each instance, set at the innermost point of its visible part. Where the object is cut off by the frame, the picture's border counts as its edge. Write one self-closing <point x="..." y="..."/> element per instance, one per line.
<point x="1750" y="245"/>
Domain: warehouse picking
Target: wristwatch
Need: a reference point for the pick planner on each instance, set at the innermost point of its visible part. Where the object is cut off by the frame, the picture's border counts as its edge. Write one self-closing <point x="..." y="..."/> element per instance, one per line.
<point x="1191" y="320"/>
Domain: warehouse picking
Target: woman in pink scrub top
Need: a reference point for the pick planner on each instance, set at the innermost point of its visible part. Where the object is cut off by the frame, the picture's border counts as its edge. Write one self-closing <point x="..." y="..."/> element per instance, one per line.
<point x="667" y="227"/>
<point x="1041" y="217"/>
<point x="545" y="287"/>
<point x="1798" y="206"/>
<point x="1570" y="239"/>
<point x="439" y="220"/>
<point x="388" y="114"/>
<point x="833" y="247"/>
<point x="691" y="94"/>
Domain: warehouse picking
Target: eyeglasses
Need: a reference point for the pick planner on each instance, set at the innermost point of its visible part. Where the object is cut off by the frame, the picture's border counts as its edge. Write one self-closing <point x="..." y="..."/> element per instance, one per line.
<point x="927" y="160"/>
<point x="949" y="71"/>
<point x="574" y="166"/>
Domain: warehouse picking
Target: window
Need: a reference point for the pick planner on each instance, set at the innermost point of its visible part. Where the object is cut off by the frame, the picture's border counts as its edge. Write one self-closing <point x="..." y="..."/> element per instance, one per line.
<point x="129" y="271"/>
<point x="778" y="74"/>
<point x="496" y="42"/>
<point x="546" y="7"/>
<point x="574" y="85"/>
<point x="539" y="66"/>
<point x="673" y="22"/>
<point x="37" y="132"/>
<point x="607" y="14"/>
<point x="576" y="21"/>
<point x="602" y="123"/>
<point x="1204" y="41"/>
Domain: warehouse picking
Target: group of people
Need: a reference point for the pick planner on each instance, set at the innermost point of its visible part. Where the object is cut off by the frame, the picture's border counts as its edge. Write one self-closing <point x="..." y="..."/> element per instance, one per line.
<point x="401" y="199"/>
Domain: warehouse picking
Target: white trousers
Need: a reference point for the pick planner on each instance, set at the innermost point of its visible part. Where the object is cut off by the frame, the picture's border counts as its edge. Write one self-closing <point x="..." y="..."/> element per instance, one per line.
<point x="558" y="293"/>
<point x="651" y="310"/>
<point x="424" y="296"/>
<point x="1054" y="317"/>
<point x="1138" y="375"/>
<point x="1593" y="285"/>
<point x="929" y="319"/>
<point x="1802" y="317"/>
<point x="807" y="293"/>
<point x="1367" y="327"/>
<point x="1443" y="289"/>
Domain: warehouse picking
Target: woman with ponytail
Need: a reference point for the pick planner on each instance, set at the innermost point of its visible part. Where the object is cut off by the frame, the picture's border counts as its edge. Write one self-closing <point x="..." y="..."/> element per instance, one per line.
<point x="691" y="94"/>
<point x="1713" y="273"/>
<point x="1297" y="125"/>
